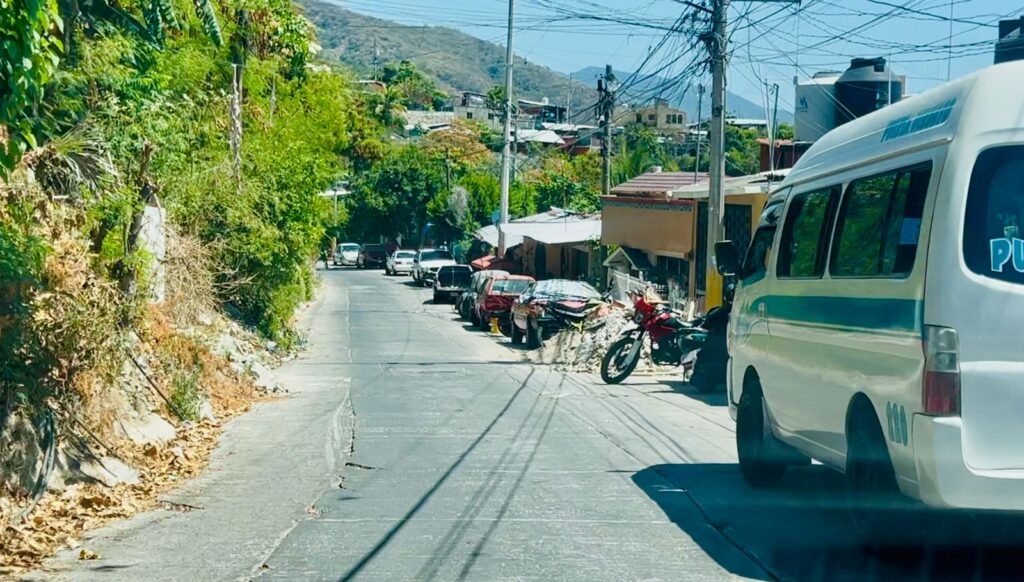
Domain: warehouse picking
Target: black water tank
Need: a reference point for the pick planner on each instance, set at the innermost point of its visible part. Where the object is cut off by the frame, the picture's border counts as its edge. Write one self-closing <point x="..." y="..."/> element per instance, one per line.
<point x="864" y="88"/>
<point x="1011" y="41"/>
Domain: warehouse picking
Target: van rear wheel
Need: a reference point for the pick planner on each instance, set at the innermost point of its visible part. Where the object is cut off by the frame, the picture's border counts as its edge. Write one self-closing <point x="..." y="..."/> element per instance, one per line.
<point x="876" y="507"/>
<point x="759" y="464"/>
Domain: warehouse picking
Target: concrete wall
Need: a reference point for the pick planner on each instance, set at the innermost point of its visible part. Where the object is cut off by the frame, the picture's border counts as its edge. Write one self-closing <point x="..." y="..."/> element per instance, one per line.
<point x="153" y="239"/>
<point x="667" y="227"/>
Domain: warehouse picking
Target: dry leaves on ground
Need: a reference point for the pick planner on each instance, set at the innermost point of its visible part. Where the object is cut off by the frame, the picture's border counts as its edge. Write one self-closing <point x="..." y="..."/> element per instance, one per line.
<point x="61" y="520"/>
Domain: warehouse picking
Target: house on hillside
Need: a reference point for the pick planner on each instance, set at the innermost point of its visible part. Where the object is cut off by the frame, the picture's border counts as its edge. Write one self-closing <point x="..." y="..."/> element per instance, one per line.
<point x="419" y="123"/>
<point x="664" y="119"/>
<point x="531" y="114"/>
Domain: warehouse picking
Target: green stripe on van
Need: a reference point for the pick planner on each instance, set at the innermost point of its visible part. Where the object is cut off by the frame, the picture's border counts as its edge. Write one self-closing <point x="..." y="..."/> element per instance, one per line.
<point x="847" y="312"/>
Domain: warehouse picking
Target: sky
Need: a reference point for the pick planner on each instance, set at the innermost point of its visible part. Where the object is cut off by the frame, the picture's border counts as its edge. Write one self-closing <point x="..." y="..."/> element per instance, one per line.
<point x="770" y="41"/>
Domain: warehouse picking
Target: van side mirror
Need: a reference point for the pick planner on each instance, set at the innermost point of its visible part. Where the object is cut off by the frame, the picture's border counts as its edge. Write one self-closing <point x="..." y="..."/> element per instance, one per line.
<point x="727" y="259"/>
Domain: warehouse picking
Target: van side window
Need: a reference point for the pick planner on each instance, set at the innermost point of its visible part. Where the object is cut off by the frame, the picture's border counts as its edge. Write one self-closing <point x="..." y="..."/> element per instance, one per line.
<point x="759" y="255"/>
<point x="993" y="235"/>
<point x="879" y="224"/>
<point x="805" y="234"/>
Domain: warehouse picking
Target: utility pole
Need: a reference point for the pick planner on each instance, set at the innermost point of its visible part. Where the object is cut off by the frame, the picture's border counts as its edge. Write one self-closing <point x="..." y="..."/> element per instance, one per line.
<point x="774" y="129"/>
<point x="506" y="151"/>
<point x="568" y="101"/>
<point x="716" y="196"/>
<point x="700" y="113"/>
<point x="606" y="90"/>
<point x="717" y="42"/>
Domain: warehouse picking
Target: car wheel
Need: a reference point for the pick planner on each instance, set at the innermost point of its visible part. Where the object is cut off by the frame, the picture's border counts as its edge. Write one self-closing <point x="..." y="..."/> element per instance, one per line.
<point x="517" y="334"/>
<point x="759" y="465"/>
<point x="873" y="498"/>
<point x="485" y="322"/>
<point x="505" y="325"/>
<point x="437" y="297"/>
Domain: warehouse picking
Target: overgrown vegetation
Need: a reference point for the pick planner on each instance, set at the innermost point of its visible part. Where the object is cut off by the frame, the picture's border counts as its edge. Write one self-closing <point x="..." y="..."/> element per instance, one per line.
<point x="106" y="109"/>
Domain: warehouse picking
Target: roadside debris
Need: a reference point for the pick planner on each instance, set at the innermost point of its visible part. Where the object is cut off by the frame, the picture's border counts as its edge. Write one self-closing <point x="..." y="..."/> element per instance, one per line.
<point x="139" y="449"/>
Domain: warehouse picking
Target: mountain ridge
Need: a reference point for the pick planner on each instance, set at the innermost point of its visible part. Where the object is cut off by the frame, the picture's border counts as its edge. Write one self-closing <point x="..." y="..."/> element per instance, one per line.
<point x="686" y="100"/>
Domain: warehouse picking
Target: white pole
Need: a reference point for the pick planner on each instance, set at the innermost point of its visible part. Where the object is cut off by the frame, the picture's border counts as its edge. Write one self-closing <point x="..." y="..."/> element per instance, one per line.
<point x="506" y="152"/>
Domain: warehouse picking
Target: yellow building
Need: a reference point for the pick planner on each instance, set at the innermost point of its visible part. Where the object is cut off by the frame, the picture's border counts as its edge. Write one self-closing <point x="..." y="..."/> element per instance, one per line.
<point x="659" y="222"/>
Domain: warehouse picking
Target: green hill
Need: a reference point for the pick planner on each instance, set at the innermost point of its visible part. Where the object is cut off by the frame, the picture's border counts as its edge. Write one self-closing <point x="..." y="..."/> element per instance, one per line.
<point x="456" y="60"/>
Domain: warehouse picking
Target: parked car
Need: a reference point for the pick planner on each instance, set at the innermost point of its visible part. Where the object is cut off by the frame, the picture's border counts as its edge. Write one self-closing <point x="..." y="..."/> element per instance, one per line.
<point x="346" y="254"/>
<point x="372" y="256"/>
<point x="451" y="281"/>
<point x="400" y="262"/>
<point x="496" y="299"/>
<point x="466" y="305"/>
<point x="549" y="306"/>
<point x="427" y="262"/>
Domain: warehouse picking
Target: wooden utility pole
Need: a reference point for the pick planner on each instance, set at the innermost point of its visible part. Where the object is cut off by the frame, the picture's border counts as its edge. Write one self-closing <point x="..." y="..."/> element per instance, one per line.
<point x="606" y="90"/>
<point x="506" y="150"/>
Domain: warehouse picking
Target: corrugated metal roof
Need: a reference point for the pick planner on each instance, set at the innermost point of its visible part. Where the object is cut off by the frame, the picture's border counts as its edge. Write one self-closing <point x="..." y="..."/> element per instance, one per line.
<point x="489" y="234"/>
<point x="658" y="183"/>
<point x="555" y="233"/>
<point x="735" y="186"/>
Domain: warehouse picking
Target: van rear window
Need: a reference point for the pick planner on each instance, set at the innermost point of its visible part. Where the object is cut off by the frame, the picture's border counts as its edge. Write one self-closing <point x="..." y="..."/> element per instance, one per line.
<point x="994" y="221"/>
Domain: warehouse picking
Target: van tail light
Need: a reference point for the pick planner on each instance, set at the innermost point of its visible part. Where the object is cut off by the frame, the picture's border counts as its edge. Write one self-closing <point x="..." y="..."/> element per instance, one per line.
<point x="941" y="390"/>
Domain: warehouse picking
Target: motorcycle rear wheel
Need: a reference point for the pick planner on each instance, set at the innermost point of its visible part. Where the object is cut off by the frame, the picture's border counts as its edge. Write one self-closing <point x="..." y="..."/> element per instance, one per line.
<point x="611" y="357"/>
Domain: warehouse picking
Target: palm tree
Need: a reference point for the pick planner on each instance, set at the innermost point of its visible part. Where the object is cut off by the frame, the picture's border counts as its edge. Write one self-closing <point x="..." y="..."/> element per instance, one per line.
<point x="157" y="16"/>
<point x="389" y="105"/>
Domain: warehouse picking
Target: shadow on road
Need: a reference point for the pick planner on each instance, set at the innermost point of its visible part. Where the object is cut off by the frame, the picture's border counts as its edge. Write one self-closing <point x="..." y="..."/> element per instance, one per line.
<point x="800" y="529"/>
<point x="716" y="398"/>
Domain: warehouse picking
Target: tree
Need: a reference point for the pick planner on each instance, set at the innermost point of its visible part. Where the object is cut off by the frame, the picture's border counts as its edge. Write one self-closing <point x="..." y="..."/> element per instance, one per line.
<point x="391" y="198"/>
<point x="785" y="131"/>
<point x="388" y="106"/>
<point x="638" y="151"/>
<point x="29" y="56"/>
<point x="460" y="147"/>
<point x="742" y="151"/>
<point x="416" y="89"/>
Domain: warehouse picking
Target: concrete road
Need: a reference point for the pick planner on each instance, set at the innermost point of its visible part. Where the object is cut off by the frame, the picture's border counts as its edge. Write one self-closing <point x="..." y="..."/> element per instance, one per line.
<point x="415" y="448"/>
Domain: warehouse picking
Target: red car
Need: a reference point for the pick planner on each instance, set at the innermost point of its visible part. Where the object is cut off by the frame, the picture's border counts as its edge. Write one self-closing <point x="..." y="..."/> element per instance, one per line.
<point x="496" y="298"/>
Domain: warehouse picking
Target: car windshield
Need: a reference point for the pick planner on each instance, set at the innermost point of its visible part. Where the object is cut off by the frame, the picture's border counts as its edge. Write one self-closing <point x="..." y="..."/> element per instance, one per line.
<point x="404" y="255"/>
<point x="510" y="285"/>
<point x="348" y="247"/>
<point x="561" y="288"/>
<point x="436" y="256"/>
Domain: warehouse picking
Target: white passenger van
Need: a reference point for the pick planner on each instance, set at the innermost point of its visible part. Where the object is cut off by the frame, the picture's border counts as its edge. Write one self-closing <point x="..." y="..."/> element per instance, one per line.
<point x="878" y="320"/>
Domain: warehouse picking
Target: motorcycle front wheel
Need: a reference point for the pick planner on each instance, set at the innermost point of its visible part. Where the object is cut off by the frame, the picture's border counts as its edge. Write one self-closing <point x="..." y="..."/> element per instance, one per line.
<point x="617" y="364"/>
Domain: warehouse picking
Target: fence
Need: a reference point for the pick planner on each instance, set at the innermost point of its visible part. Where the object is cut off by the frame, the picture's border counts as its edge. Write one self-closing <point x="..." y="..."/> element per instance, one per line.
<point x="622" y="284"/>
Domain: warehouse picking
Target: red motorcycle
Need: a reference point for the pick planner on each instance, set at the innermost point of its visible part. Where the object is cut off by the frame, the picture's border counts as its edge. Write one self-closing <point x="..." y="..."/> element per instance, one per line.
<point x="672" y="340"/>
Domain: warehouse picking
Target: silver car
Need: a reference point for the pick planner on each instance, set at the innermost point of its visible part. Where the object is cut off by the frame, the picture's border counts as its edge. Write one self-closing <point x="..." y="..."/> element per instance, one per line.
<point x="400" y="263"/>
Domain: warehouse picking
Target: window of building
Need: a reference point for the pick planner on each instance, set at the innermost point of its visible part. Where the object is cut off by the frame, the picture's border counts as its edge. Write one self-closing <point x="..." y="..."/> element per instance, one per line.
<point x="802" y="249"/>
<point x="994" y="218"/>
<point x="639" y="118"/>
<point x="879" y="223"/>
<point x="651" y="117"/>
<point x="490" y="116"/>
<point x="469" y="115"/>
